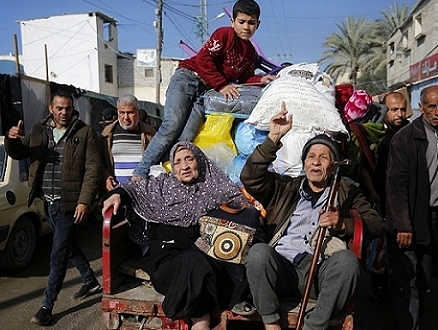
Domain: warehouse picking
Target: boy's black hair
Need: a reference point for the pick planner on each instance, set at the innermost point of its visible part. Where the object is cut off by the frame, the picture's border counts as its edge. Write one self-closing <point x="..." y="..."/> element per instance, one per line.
<point x="248" y="7"/>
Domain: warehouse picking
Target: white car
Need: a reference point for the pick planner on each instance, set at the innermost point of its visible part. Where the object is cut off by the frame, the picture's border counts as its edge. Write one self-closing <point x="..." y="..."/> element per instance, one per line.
<point x="20" y="226"/>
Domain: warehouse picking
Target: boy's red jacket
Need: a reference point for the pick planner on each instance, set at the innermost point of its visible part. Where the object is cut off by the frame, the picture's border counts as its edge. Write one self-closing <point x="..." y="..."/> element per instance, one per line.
<point x="224" y="59"/>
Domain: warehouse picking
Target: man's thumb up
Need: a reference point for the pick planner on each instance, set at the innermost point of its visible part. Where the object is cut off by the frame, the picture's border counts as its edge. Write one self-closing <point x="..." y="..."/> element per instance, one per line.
<point x="16" y="132"/>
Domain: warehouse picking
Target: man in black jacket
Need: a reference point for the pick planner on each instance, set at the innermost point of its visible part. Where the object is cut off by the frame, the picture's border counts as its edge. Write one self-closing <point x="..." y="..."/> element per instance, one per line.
<point x="412" y="200"/>
<point x="64" y="171"/>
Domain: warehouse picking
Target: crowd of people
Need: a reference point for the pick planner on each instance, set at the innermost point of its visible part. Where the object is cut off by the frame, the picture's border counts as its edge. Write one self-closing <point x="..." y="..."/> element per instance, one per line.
<point x="393" y="185"/>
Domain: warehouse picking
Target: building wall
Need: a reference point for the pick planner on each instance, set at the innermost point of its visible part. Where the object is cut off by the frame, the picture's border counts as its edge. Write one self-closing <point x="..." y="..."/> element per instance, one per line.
<point x="107" y="45"/>
<point x="414" y="41"/>
<point x="141" y="82"/>
<point x="81" y="49"/>
<point x="77" y="50"/>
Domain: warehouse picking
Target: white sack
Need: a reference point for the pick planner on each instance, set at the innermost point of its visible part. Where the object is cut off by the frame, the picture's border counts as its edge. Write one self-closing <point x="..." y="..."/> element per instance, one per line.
<point x="309" y="96"/>
<point x="288" y="160"/>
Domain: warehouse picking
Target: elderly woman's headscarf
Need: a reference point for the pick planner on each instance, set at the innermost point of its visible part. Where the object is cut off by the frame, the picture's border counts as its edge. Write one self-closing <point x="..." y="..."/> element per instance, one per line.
<point x="166" y="200"/>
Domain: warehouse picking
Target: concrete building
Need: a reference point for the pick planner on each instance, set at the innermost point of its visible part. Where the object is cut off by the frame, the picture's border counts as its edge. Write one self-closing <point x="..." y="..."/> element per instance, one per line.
<point x="141" y="81"/>
<point x="82" y="50"/>
<point x="413" y="51"/>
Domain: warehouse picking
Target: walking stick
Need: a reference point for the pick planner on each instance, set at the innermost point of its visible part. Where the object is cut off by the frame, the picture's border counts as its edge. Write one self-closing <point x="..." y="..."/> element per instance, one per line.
<point x="321" y="233"/>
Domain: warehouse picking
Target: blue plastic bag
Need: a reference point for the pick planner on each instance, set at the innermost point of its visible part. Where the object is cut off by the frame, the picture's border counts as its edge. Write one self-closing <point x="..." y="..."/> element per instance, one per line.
<point x="247" y="137"/>
<point x="235" y="169"/>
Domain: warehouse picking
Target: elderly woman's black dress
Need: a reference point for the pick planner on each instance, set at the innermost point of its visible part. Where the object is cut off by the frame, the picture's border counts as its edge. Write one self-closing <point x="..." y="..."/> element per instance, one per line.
<point x="192" y="282"/>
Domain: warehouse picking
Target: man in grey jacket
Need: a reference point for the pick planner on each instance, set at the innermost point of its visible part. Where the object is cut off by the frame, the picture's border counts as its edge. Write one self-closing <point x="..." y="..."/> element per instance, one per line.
<point x="64" y="172"/>
<point x="277" y="271"/>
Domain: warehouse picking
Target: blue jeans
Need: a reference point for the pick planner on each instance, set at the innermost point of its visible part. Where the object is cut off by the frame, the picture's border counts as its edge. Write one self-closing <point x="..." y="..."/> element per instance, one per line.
<point x="64" y="248"/>
<point x="183" y="116"/>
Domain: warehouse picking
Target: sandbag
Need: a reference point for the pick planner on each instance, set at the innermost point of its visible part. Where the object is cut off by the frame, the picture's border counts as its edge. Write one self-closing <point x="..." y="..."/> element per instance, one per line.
<point x="309" y="95"/>
<point x="249" y="96"/>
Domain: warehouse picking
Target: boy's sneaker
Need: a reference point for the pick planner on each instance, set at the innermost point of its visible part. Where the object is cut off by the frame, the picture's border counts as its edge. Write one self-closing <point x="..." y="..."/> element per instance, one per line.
<point x="42" y="317"/>
<point x="86" y="290"/>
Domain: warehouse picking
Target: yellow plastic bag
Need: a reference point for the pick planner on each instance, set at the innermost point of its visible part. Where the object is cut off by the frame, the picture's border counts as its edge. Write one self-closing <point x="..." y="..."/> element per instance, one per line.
<point x="216" y="129"/>
<point x="214" y="138"/>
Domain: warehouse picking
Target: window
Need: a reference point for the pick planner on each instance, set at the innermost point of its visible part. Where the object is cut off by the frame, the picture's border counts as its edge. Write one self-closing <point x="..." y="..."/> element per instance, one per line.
<point x="24" y="169"/>
<point x="148" y="73"/>
<point x="418" y="26"/>
<point x="405" y="41"/>
<point x="3" y="162"/>
<point x="391" y="64"/>
<point x="108" y="31"/>
<point x="391" y="48"/>
<point x="420" y="40"/>
<point x="109" y="73"/>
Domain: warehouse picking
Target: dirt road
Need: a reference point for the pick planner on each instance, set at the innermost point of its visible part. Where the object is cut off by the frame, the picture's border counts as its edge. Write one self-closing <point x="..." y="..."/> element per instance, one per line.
<point x="21" y="295"/>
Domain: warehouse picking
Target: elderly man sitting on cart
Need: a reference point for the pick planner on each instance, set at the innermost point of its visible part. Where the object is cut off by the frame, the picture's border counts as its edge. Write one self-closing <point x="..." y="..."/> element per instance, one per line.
<point x="296" y="208"/>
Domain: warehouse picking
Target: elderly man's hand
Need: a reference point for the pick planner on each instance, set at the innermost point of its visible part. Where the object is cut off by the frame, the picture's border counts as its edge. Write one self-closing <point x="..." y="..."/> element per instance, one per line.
<point x="111" y="183"/>
<point x="280" y="124"/>
<point x="331" y="219"/>
<point x="404" y="240"/>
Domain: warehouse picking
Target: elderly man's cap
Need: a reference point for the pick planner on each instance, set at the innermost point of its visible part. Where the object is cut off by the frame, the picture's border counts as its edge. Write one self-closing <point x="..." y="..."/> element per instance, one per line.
<point x="109" y="113"/>
<point x="325" y="140"/>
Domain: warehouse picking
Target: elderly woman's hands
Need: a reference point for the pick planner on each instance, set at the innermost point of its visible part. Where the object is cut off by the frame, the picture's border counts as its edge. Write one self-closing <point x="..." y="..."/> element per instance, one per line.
<point x="280" y="124"/>
<point x="113" y="201"/>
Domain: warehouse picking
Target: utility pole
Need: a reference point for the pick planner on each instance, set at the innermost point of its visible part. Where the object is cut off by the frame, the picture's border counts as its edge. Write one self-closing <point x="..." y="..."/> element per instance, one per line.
<point x="202" y="22"/>
<point x="159" y="28"/>
<point x="17" y="56"/>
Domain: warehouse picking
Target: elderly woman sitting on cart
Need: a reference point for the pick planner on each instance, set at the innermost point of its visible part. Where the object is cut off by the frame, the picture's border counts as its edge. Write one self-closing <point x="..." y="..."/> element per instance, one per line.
<point x="192" y="282"/>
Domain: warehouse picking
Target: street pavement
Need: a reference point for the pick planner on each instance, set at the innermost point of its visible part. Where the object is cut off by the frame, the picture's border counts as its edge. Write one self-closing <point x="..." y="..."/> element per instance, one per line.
<point x="21" y="292"/>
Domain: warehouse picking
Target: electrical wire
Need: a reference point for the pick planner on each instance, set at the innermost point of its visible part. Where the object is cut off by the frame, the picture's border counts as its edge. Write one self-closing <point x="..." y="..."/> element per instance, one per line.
<point x="60" y="48"/>
<point x="81" y="61"/>
<point x="187" y="37"/>
<point x="49" y="30"/>
<point x="116" y="12"/>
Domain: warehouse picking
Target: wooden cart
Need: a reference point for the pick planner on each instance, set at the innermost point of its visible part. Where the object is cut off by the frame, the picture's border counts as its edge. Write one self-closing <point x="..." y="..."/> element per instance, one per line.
<point x="130" y="302"/>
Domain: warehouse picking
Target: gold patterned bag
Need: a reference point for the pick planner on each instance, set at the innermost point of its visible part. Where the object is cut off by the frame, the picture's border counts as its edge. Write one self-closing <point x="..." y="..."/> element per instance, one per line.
<point x="228" y="240"/>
